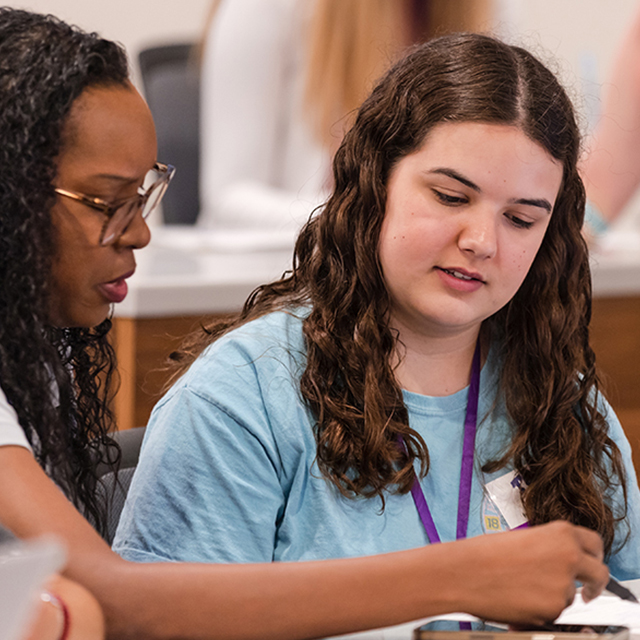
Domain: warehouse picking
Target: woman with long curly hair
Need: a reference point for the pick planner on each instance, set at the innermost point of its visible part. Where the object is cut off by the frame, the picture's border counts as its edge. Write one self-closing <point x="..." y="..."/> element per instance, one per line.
<point x="424" y="372"/>
<point x="78" y="146"/>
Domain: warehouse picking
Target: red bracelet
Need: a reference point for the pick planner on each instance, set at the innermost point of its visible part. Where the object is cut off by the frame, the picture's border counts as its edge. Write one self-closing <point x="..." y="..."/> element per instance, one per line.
<point x="56" y="601"/>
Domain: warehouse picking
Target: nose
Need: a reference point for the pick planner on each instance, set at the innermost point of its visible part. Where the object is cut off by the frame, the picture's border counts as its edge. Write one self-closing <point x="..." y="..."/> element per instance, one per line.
<point x="137" y="235"/>
<point x="478" y="235"/>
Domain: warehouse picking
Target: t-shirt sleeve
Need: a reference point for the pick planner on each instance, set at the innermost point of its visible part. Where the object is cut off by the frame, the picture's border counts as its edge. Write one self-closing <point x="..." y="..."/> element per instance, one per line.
<point x="11" y="432"/>
<point x="624" y="563"/>
<point x="207" y="487"/>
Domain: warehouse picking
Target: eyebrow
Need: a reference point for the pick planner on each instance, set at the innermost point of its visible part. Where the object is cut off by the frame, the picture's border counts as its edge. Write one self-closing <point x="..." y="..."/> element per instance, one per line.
<point x="456" y="176"/>
<point x="115" y="178"/>
<point x="542" y="203"/>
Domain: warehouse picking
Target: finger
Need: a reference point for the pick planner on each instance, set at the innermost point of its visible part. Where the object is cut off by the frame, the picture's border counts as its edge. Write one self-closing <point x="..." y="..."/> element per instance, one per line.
<point x="594" y="576"/>
<point x="590" y="542"/>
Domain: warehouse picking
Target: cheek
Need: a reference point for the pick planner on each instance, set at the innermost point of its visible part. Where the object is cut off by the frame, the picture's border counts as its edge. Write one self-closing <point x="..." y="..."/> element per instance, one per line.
<point x="395" y="253"/>
<point x="73" y="265"/>
<point x="520" y="263"/>
<point x="77" y="228"/>
<point x="387" y="243"/>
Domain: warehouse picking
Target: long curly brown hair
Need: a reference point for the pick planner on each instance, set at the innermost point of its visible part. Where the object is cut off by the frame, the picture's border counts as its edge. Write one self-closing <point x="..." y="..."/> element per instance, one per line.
<point x="549" y="382"/>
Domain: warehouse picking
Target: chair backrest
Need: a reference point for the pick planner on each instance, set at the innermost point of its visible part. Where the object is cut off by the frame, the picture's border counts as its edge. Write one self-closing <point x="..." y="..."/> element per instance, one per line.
<point x="114" y="486"/>
<point x="171" y="79"/>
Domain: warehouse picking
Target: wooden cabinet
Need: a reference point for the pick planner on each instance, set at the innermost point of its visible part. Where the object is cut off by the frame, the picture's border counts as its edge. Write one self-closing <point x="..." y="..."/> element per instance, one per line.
<point x="143" y="346"/>
<point x="615" y="336"/>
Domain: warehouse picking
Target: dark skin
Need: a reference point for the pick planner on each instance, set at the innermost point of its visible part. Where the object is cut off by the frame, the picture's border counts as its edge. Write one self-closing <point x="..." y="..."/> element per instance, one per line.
<point x="110" y="145"/>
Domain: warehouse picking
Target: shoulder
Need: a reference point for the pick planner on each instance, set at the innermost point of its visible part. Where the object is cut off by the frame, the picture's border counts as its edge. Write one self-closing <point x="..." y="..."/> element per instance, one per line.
<point x="615" y="429"/>
<point x="11" y="432"/>
<point x="245" y="386"/>
<point x="265" y="353"/>
<point x="272" y="336"/>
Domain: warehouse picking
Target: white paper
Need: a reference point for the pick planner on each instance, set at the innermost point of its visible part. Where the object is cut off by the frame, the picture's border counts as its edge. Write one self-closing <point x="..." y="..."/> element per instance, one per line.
<point x="605" y="609"/>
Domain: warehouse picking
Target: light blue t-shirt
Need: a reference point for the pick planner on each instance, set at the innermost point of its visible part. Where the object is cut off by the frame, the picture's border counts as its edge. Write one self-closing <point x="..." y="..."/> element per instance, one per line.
<point x="228" y="473"/>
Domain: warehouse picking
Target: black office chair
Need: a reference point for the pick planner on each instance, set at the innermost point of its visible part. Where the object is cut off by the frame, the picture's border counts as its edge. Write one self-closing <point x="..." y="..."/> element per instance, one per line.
<point x="171" y="79"/>
<point x="113" y="488"/>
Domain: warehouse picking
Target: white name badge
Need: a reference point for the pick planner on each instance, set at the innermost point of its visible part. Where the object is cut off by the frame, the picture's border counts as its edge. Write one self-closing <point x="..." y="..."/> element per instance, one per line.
<point x="505" y="493"/>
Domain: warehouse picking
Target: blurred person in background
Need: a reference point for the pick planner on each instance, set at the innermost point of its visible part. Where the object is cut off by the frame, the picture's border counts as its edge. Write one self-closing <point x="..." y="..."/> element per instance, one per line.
<point x="611" y="165"/>
<point x="280" y="83"/>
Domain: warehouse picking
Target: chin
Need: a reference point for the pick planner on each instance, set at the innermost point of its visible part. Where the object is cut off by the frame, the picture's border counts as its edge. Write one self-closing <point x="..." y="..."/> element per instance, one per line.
<point x="97" y="322"/>
<point x="89" y="320"/>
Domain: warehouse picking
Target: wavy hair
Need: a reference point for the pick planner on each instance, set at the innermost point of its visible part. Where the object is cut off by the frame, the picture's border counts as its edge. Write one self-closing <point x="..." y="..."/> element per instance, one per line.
<point x="549" y="382"/>
<point x="57" y="380"/>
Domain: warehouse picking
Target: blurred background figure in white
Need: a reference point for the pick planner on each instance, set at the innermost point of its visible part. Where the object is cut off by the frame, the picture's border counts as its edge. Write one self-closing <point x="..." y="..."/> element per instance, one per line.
<point x="279" y="82"/>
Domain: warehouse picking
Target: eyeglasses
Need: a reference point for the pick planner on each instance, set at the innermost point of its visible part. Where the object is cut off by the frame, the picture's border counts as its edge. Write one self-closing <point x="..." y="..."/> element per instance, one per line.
<point x="120" y="214"/>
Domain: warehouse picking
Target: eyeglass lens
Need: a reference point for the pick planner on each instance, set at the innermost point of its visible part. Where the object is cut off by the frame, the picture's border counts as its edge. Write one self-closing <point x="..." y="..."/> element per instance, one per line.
<point x="156" y="184"/>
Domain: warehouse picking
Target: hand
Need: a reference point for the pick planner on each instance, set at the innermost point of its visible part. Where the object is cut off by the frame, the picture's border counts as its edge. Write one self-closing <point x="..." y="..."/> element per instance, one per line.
<point x="85" y="615"/>
<point x="528" y="576"/>
<point x="47" y="622"/>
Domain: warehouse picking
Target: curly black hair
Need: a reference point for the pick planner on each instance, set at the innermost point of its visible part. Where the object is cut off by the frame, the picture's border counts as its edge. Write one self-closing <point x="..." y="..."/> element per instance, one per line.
<point x="57" y="379"/>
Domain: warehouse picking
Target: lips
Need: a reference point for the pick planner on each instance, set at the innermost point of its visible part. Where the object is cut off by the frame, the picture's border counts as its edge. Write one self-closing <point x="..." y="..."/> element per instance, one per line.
<point x="116" y="290"/>
<point x="460" y="280"/>
<point x="462" y="274"/>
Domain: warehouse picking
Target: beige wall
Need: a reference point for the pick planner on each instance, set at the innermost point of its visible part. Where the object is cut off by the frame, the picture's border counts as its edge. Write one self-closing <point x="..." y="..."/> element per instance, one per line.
<point x="567" y="28"/>
<point x="134" y="23"/>
<point x="580" y="35"/>
<point x="570" y="30"/>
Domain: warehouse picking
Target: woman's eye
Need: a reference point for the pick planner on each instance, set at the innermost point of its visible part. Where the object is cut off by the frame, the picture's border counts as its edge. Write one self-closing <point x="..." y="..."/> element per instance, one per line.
<point x="449" y="199"/>
<point x="519" y="222"/>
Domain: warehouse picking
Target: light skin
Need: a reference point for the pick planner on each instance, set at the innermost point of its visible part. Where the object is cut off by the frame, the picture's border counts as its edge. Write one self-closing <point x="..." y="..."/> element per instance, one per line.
<point x="466" y="215"/>
<point x="87" y="621"/>
<point x="485" y="576"/>
<point x="611" y="166"/>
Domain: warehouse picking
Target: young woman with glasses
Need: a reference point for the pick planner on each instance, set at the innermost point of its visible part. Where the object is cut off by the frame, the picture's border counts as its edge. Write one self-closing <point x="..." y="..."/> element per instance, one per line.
<point x="78" y="147"/>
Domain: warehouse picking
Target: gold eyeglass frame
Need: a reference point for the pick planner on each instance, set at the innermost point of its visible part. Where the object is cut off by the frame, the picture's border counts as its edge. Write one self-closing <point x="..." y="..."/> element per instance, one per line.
<point x="109" y="209"/>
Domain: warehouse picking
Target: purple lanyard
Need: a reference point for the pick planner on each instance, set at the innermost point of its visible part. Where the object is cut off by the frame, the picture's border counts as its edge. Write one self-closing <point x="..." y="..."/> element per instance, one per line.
<point x="466" y="469"/>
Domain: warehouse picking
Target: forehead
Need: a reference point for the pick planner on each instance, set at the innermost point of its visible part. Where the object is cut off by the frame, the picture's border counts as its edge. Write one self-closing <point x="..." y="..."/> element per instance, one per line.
<point x="488" y="154"/>
<point x="109" y="129"/>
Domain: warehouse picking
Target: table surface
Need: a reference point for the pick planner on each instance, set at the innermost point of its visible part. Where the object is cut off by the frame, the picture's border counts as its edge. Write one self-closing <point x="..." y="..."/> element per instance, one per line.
<point x="404" y="631"/>
<point x="190" y="271"/>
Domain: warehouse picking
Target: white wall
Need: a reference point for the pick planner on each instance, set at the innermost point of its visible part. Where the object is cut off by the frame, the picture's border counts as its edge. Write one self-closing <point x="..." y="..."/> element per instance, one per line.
<point x="134" y="23"/>
<point x="581" y="35"/>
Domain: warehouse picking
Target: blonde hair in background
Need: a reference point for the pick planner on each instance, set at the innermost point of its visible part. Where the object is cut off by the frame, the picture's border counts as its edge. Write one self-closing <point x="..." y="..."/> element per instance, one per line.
<point x="449" y="16"/>
<point x="353" y="42"/>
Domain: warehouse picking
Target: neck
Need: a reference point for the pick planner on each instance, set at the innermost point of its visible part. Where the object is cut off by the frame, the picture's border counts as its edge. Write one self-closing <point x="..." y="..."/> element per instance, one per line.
<point x="437" y="366"/>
